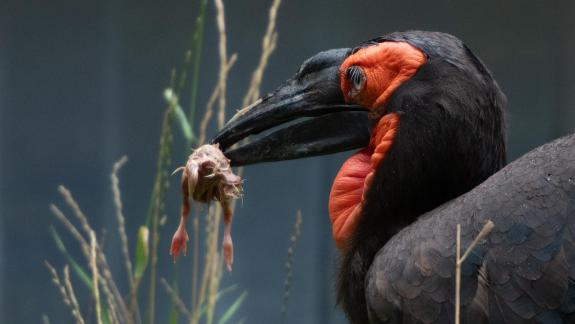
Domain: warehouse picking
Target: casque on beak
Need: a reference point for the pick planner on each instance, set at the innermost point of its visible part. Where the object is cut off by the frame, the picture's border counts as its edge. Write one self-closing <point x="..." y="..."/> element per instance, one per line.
<point x="314" y="92"/>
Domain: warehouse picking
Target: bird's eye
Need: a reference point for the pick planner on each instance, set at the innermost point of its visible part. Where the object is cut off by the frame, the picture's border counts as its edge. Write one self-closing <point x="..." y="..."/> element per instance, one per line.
<point x="354" y="75"/>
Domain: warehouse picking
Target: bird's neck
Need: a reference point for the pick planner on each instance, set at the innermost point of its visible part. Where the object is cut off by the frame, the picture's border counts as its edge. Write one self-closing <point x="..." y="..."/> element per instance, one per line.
<point x="348" y="206"/>
<point x="347" y="196"/>
<point x="450" y="138"/>
<point x="414" y="176"/>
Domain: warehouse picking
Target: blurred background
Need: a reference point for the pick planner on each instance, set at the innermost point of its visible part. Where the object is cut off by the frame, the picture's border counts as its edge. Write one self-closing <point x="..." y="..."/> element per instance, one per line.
<point x="81" y="85"/>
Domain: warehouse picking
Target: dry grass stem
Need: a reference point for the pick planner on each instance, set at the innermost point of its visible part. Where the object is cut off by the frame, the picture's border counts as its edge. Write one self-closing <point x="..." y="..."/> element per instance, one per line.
<point x="209" y="106"/>
<point x="64" y="292"/>
<point x="212" y="266"/>
<point x="101" y="257"/>
<point x="195" y="257"/>
<point x="459" y="261"/>
<point x="124" y="315"/>
<point x="484" y="231"/>
<point x="95" y="276"/>
<point x="112" y="310"/>
<point x="206" y="278"/>
<point x="214" y="286"/>
<point x="77" y="211"/>
<point x="176" y="298"/>
<point x="457" y="274"/>
<point x="117" y="308"/>
<point x="72" y="229"/>
<point x="289" y="263"/>
<point x="115" y="186"/>
<point x="86" y="251"/>
<point x="210" y="259"/>
<point x="222" y="48"/>
<point x="161" y="183"/>
<point x="72" y="296"/>
<point x="120" y="217"/>
<point x="69" y="198"/>
<point x="269" y="43"/>
<point x="107" y="281"/>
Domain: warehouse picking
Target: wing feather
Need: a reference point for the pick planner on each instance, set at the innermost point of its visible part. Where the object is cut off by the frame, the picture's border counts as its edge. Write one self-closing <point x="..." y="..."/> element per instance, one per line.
<point x="523" y="272"/>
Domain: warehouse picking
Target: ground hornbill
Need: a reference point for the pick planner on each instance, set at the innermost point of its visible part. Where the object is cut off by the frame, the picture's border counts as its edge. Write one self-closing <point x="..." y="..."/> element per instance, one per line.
<point x="428" y="118"/>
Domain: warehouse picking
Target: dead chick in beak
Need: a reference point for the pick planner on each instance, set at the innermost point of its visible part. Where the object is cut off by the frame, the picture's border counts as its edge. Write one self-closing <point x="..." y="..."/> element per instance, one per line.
<point x="207" y="176"/>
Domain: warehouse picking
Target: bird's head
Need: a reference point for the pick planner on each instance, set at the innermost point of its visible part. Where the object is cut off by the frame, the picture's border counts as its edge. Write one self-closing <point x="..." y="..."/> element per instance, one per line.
<point x="424" y="110"/>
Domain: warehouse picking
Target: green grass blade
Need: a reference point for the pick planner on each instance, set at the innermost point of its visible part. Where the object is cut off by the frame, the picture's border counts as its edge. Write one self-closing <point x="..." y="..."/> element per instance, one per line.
<point x="198" y="40"/>
<point x="226" y="291"/>
<point x="142" y="252"/>
<point x="219" y="295"/>
<point x="173" y="319"/>
<point x="172" y="100"/>
<point x="233" y="308"/>
<point x="105" y="315"/>
<point x="76" y="268"/>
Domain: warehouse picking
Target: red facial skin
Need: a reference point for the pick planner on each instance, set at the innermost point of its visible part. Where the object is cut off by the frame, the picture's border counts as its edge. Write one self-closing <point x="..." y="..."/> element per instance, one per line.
<point x="385" y="67"/>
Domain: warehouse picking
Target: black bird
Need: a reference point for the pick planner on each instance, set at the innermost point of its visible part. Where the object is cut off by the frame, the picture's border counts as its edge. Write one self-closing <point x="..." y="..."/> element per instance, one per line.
<point x="428" y="118"/>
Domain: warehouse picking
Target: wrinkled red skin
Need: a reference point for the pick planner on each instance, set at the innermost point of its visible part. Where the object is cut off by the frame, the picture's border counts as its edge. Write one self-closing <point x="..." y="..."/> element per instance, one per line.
<point x="207" y="176"/>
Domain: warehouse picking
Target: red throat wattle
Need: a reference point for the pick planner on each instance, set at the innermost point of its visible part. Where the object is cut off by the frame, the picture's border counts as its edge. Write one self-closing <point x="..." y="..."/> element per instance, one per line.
<point x="351" y="182"/>
<point x="386" y="66"/>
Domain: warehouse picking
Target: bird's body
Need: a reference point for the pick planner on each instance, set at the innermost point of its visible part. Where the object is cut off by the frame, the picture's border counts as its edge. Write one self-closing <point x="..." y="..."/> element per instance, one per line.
<point x="432" y="156"/>
<point x="523" y="272"/>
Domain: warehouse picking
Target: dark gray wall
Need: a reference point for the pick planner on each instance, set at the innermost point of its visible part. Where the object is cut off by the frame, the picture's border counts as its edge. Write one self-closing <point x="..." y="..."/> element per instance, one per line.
<point x="2" y="184"/>
<point x="81" y="84"/>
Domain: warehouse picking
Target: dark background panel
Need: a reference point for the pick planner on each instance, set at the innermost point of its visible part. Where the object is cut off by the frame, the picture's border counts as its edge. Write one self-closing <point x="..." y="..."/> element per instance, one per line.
<point x="81" y="84"/>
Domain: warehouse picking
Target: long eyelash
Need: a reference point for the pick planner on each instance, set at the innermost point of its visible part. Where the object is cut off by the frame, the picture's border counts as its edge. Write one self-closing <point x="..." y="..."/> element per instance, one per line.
<point x="354" y="74"/>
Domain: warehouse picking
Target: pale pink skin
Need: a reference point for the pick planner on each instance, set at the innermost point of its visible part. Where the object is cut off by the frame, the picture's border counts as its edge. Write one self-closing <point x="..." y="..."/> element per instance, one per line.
<point x="227" y="243"/>
<point x="181" y="237"/>
<point x="207" y="176"/>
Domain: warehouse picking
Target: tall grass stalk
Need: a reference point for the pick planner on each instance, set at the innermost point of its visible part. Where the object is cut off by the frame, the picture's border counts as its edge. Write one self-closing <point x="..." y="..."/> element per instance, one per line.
<point x="111" y="305"/>
<point x="198" y="40"/>
<point x="67" y="295"/>
<point x="289" y="264"/>
<point x="95" y="275"/>
<point x="459" y="261"/>
<point x="160" y="185"/>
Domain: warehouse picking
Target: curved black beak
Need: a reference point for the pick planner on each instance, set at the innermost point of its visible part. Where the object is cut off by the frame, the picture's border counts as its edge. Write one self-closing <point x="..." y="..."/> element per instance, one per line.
<point x="314" y="92"/>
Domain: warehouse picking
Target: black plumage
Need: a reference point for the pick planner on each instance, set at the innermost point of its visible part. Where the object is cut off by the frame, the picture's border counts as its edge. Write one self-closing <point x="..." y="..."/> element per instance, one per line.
<point x="523" y="272"/>
<point x="400" y="267"/>
<point x="445" y="166"/>
<point x="451" y="137"/>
